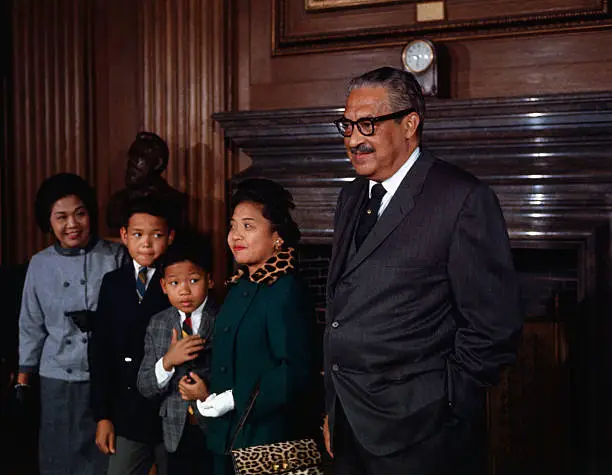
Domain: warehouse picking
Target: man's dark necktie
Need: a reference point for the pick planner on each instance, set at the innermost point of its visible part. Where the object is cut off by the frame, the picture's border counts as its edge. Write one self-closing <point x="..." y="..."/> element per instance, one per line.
<point x="370" y="214"/>
<point x="141" y="282"/>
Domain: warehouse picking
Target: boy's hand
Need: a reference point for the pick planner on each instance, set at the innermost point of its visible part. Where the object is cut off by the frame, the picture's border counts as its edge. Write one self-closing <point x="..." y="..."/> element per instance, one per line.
<point x="180" y="351"/>
<point x="105" y="436"/>
<point x="191" y="391"/>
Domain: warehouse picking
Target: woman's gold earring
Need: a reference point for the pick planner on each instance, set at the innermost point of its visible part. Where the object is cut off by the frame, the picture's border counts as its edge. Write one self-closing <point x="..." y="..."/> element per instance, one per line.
<point x="277" y="245"/>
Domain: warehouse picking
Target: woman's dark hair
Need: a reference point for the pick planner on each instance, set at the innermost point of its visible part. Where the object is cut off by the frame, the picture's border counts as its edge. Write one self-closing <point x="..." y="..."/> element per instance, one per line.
<point x="59" y="186"/>
<point x="277" y="203"/>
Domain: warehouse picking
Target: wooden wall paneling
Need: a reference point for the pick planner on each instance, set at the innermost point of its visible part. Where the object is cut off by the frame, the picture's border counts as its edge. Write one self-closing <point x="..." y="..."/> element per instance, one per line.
<point x="552" y="63"/>
<point x="300" y="31"/>
<point x="5" y="74"/>
<point x="536" y="387"/>
<point x="241" y="52"/>
<point x="116" y="99"/>
<point x="50" y="80"/>
<point x="184" y="82"/>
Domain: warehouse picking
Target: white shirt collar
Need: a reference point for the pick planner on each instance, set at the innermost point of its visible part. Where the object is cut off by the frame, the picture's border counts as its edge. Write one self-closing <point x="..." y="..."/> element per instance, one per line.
<point x="196" y="316"/>
<point x="392" y="183"/>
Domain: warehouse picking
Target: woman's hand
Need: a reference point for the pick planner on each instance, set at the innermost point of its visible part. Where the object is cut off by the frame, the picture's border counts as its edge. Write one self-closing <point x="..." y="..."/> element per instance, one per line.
<point x="193" y="388"/>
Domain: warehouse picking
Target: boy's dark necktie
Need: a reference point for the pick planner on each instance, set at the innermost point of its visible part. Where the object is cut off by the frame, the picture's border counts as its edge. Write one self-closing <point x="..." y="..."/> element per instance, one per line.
<point x="369" y="215"/>
<point x="141" y="282"/>
<point x="188" y="330"/>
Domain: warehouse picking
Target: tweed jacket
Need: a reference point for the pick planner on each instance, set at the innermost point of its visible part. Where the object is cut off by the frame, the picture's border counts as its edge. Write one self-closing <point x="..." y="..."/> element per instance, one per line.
<point x="60" y="280"/>
<point x="173" y="409"/>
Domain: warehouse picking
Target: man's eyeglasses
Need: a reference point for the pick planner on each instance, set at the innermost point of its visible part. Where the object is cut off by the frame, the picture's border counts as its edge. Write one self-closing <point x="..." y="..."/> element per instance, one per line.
<point x="365" y="125"/>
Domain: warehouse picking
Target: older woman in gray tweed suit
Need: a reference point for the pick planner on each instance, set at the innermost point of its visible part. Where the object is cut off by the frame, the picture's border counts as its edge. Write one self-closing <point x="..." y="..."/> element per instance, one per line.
<point x="59" y="298"/>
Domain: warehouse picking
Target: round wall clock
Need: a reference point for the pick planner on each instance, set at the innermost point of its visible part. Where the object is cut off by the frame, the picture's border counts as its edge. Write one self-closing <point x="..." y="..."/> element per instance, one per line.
<point x="419" y="58"/>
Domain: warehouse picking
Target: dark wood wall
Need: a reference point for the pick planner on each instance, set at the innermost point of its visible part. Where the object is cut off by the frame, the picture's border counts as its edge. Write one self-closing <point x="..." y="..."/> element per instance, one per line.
<point x="84" y="76"/>
<point x="490" y="49"/>
<point x="5" y="48"/>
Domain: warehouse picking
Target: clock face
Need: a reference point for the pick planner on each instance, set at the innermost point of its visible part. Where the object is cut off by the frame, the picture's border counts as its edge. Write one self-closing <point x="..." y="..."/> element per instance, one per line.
<point x="418" y="55"/>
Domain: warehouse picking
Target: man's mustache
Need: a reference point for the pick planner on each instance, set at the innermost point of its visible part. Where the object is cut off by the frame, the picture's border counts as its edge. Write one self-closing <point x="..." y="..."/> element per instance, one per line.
<point x="362" y="148"/>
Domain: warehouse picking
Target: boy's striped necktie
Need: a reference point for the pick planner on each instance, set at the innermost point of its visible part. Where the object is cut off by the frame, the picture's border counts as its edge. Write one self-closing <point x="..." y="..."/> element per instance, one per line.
<point x="141" y="282"/>
<point x="187" y="328"/>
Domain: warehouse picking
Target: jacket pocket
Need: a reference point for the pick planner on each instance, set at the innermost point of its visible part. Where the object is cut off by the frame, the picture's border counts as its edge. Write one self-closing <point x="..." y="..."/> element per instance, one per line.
<point x="409" y="371"/>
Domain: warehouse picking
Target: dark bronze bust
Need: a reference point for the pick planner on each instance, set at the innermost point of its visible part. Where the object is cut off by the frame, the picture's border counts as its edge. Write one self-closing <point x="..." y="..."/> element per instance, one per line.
<point x="147" y="159"/>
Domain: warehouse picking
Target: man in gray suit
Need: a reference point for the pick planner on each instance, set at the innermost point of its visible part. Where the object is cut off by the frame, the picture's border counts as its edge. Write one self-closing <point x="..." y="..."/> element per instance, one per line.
<point x="422" y="297"/>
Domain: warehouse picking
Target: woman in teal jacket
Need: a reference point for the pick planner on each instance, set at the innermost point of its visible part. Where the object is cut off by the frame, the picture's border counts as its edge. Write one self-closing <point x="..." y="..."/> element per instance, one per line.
<point x="263" y="333"/>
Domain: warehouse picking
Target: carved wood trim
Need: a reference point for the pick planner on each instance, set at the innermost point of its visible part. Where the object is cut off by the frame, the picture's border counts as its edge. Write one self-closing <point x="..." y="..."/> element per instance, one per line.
<point x="547" y="157"/>
<point x="285" y="41"/>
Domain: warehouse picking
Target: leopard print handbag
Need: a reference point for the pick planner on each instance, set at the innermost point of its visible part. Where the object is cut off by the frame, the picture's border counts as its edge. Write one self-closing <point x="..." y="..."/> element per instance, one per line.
<point x="296" y="457"/>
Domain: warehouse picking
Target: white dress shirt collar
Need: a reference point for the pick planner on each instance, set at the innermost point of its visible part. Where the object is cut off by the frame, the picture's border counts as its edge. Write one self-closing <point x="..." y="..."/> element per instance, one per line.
<point x="392" y="183"/>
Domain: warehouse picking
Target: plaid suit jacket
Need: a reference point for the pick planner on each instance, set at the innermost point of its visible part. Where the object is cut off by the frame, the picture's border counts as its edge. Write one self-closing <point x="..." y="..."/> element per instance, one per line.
<point x="173" y="409"/>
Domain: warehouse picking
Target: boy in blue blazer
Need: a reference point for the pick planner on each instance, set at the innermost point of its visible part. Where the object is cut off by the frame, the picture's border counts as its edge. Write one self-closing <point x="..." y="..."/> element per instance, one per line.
<point x="128" y="424"/>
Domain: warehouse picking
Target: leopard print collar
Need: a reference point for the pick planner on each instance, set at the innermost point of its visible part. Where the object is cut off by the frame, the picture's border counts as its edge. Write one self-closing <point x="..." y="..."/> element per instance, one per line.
<point x="279" y="264"/>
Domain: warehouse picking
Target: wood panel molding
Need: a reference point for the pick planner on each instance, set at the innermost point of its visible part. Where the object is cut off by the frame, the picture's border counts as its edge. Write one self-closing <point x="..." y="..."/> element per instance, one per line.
<point x="185" y="75"/>
<point x="559" y="62"/>
<point x="51" y="121"/>
<point x="297" y="30"/>
<point x="547" y="157"/>
<point x="5" y="77"/>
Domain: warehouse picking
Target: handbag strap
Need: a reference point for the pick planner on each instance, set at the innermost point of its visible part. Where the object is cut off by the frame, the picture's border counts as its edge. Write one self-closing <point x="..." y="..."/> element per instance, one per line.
<point x="245" y="415"/>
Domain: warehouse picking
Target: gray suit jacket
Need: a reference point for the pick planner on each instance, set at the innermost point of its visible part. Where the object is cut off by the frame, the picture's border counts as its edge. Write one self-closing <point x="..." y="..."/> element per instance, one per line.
<point x="173" y="410"/>
<point x="422" y="316"/>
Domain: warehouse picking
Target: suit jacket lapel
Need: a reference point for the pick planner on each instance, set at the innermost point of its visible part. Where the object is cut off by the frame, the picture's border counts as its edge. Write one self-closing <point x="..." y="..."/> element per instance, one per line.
<point x="153" y="288"/>
<point x="344" y="234"/>
<point x="130" y="280"/>
<point x="176" y="322"/>
<point x="208" y="317"/>
<point x="401" y="204"/>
